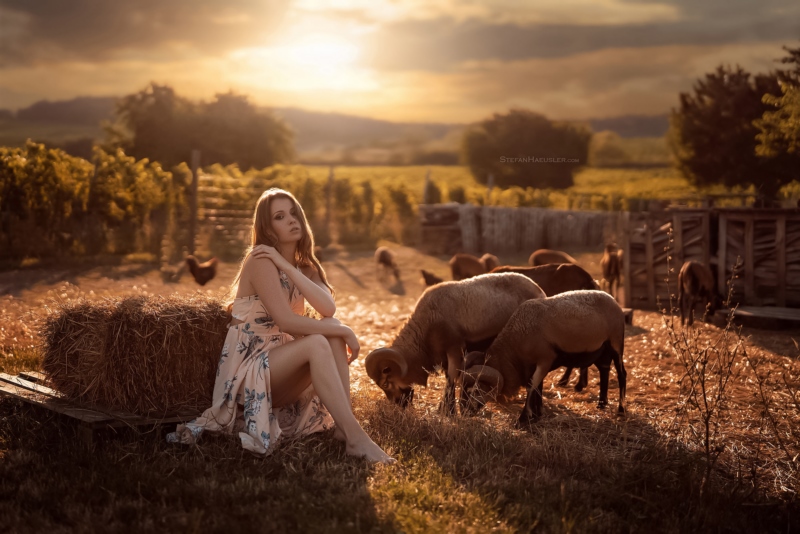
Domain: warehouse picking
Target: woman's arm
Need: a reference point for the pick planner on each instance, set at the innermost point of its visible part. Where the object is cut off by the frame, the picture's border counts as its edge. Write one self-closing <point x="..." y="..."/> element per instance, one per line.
<point x="314" y="291"/>
<point x="265" y="279"/>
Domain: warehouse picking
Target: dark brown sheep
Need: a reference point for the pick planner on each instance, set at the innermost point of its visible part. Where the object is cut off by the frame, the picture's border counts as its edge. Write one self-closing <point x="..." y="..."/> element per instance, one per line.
<point x="543" y="256"/>
<point x="695" y="284"/>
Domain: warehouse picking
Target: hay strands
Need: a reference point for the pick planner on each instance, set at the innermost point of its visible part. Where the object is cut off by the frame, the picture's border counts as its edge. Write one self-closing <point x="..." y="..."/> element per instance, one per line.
<point x="30" y="387"/>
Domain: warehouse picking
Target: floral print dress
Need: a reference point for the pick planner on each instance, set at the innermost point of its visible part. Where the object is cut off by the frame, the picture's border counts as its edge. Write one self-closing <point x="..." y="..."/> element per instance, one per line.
<point x="242" y="400"/>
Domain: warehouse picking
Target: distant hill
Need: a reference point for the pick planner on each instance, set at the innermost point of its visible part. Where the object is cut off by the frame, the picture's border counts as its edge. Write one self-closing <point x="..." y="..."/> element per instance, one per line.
<point x="86" y="110"/>
<point x="633" y="125"/>
<point x="319" y="137"/>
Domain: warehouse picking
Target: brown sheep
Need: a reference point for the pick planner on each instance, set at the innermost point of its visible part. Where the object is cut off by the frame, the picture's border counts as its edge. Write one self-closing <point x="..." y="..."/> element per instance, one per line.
<point x="576" y="328"/>
<point x="463" y="266"/>
<point x="447" y="317"/>
<point x="385" y="260"/>
<point x="695" y="284"/>
<point x="612" y="267"/>
<point x="544" y="256"/>
<point x="489" y="262"/>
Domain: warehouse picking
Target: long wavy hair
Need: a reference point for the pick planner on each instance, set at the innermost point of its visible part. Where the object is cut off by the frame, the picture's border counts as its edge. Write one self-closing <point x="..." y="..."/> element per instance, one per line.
<point x="263" y="234"/>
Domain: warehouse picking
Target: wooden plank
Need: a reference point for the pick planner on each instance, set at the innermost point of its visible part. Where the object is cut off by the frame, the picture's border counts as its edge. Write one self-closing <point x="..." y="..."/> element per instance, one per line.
<point x="627" y="299"/>
<point x="33" y="376"/>
<point x="651" y="281"/>
<point x="780" y="251"/>
<point x="705" y="224"/>
<point x="721" y="257"/>
<point x="749" y="283"/>
<point x="38" y="399"/>
<point x="30" y="386"/>
<point x="677" y="238"/>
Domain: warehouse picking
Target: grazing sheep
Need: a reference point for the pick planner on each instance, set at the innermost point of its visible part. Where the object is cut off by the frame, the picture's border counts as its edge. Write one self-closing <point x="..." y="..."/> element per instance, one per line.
<point x="202" y="272"/>
<point x="385" y="260"/>
<point x="544" y="256"/>
<point x="445" y="318"/>
<point x="611" y="266"/>
<point x="463" y="266"/>
<point x="430" y="278"/>
<point x="554" y="278"/>
<point x="577" y="328"/>
<point x="489" y="262"/>
<point x="695" y="284"/>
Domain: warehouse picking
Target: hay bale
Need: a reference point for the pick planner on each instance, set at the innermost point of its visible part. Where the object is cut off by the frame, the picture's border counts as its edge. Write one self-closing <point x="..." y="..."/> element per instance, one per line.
<point x="148" y="355"/>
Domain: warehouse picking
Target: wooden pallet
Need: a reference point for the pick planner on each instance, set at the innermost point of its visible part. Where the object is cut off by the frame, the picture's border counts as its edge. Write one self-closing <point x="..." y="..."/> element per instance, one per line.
<point x="30" y="387"/>
<point x="766" y="317"/>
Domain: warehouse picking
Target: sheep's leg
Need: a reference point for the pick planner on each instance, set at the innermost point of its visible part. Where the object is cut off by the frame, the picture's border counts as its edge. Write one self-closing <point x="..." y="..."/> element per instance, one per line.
<point x="532" y="410"/>
<point x="455" y="365"/>
<point x="692" y="306"/>
<point x="605" y="369"/>
<point x="583" y="379"/>
<point x="564" y="382"/>
<point x="622" y="379"/>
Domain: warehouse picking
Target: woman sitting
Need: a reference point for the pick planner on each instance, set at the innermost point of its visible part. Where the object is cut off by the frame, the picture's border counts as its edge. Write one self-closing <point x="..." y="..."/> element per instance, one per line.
<point x="275" y="361"/>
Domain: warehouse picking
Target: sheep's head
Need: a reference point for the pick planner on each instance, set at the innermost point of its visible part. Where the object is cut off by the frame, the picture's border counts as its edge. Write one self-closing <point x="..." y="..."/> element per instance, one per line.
<point x="387" y="368"/>
<point x="479" y="385"/>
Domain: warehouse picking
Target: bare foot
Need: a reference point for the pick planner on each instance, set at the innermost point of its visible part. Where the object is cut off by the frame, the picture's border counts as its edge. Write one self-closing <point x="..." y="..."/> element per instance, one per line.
<point x="339" y="435"/>
<point x="370" y="451"/>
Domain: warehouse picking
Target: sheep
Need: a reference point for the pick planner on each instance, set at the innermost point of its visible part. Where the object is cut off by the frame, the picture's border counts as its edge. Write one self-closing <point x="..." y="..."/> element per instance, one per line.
<point x="696" y="283"/>
<point x="489" y="262"/>
<point x="445" y="318"/>
<point x="576" y="328"/>
<point x="384" y="259"/>
<point x="430" y="278"/>
<point x="556" y="278"/>
<point x="611" y="266"/>
<point x="544" y="256"/>
<point x="463" y="266"/>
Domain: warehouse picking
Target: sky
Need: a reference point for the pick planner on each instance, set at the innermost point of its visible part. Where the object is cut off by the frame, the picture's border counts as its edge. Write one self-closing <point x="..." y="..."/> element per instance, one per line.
<point x="402" y="60"/>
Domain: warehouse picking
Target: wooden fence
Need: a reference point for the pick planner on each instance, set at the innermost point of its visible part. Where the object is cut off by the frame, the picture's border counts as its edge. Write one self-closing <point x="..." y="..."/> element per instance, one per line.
<point x="451" y="228"/>
<point x="767" y="243"/>
<point x="654" y="246"/>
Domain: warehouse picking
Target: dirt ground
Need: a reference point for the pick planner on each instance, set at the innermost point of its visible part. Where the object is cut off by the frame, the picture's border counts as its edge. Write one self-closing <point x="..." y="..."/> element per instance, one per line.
<point x="376" y="308"/>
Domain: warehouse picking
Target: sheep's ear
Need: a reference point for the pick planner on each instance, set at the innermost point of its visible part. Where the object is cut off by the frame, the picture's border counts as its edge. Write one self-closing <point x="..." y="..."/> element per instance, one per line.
<point x="379" y="360"/>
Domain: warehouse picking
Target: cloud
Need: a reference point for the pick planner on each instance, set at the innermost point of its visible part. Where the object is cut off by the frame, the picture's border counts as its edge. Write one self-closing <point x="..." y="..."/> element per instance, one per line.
<point x="47" y="31"/>
<point x="444" y="44"/>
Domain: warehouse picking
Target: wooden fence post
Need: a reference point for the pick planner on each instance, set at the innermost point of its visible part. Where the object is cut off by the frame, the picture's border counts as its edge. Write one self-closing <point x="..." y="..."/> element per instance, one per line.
<point x="780" y="253"/>
<point x="193" y="200"/>
<point x="722" y="257"/>
<point x="627" y="300"/>
<point x="749" y="261"/>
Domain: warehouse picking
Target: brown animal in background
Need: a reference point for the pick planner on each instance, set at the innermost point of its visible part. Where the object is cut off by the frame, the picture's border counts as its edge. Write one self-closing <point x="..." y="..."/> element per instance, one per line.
<point x="202" y="272"/>
<point x="384" y="259"/>
<point x="610" y="264"/>
<point x="464" y="266"/>
<point x="554" y="278"/>
<point x="489" y="262"/>
<point x="695" y="284"/>
<point x="543" y="256"/>
<point x="430" y="278"/>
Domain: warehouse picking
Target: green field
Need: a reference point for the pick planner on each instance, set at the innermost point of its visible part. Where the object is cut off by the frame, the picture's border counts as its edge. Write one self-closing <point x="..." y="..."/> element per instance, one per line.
<point x="15" y="133"/>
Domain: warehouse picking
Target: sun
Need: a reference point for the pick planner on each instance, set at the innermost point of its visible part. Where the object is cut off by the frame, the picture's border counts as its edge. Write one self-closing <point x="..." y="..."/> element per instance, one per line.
<point x="325" y="53"/>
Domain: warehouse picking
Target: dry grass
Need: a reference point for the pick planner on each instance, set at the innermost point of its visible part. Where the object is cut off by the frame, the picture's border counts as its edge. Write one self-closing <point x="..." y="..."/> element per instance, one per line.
<point x="580" y="470"/>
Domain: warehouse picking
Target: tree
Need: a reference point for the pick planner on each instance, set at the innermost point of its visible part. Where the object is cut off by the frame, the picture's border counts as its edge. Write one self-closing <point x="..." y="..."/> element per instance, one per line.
<point x="713" y="133"/>
<point x="780" y="129"/>
<point x="160" y="125"/>
<point x="524" y="148"/>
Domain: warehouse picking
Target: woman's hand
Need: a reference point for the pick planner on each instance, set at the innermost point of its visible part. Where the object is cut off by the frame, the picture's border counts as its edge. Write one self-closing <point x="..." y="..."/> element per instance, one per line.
<point x="266" y="251"/>
<point x="353" y="346"/>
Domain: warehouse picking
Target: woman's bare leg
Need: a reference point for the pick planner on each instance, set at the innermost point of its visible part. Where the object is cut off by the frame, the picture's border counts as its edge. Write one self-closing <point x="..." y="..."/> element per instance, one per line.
<point x="288" y="362"/>
<point x="339" y="349"/>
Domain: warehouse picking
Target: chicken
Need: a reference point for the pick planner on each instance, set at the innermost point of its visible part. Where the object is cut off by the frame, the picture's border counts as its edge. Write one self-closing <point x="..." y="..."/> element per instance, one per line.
<point x="202" y="272"/>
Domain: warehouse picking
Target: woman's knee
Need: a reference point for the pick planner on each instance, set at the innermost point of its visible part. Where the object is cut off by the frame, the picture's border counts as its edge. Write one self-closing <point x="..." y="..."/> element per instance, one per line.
<point x="317" y="343"/>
